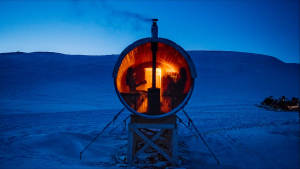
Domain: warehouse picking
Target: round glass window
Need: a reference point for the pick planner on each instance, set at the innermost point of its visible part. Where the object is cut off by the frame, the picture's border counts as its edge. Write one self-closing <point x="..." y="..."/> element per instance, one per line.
<point x="135" y="77"/>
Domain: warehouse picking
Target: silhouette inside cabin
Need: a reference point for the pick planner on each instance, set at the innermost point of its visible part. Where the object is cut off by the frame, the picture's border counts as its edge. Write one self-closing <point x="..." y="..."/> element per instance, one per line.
<point x="134" y="97"/>
<point x="175" y="89"/>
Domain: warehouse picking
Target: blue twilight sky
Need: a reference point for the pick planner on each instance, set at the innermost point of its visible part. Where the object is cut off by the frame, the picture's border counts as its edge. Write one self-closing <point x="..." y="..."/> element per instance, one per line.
<point x="99" y="27"/>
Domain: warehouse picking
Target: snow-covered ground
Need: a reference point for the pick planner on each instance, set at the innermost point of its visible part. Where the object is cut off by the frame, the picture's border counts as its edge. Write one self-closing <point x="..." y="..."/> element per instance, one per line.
<point x="52" y="105"/>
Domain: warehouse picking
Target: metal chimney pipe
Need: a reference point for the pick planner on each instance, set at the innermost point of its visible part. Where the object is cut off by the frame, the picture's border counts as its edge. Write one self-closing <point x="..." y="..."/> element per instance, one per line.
<point x="154" y="31"/>
<point x="153" y="92"/>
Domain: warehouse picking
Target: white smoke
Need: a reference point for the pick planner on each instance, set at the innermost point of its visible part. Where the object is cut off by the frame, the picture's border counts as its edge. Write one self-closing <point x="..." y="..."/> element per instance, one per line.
<point x="116" y="18"/>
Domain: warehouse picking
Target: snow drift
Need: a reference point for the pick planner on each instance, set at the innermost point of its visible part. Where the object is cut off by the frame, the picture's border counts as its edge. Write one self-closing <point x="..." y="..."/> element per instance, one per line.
<point x="51" y="105"/>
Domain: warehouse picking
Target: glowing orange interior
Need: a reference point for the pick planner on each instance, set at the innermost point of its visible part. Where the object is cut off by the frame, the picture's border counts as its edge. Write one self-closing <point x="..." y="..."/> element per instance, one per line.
<point x="169" y="63"/>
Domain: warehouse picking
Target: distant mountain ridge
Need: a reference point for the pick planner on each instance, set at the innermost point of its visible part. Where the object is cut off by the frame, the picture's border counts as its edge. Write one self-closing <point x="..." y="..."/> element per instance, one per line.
<point x="236" y="75"/>
<point x="191" y="52"/>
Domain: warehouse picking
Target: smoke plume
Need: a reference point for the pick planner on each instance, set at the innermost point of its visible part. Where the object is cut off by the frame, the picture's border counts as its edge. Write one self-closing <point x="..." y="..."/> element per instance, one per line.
<point x="113" y="17"/>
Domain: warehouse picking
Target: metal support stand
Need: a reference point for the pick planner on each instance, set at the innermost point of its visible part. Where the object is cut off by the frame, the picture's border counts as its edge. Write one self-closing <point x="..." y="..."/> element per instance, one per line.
<point x="201" y="137"/>
<point x="101" y="132"/>
<point x="162" y="138"/>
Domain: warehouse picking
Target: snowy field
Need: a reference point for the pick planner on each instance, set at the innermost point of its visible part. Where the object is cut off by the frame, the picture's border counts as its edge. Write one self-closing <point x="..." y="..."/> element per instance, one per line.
<point x="52" y="105"/>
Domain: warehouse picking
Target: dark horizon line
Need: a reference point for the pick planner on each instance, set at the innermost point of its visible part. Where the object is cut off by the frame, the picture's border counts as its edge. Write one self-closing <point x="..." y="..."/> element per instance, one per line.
<point x="189" y="51"/>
